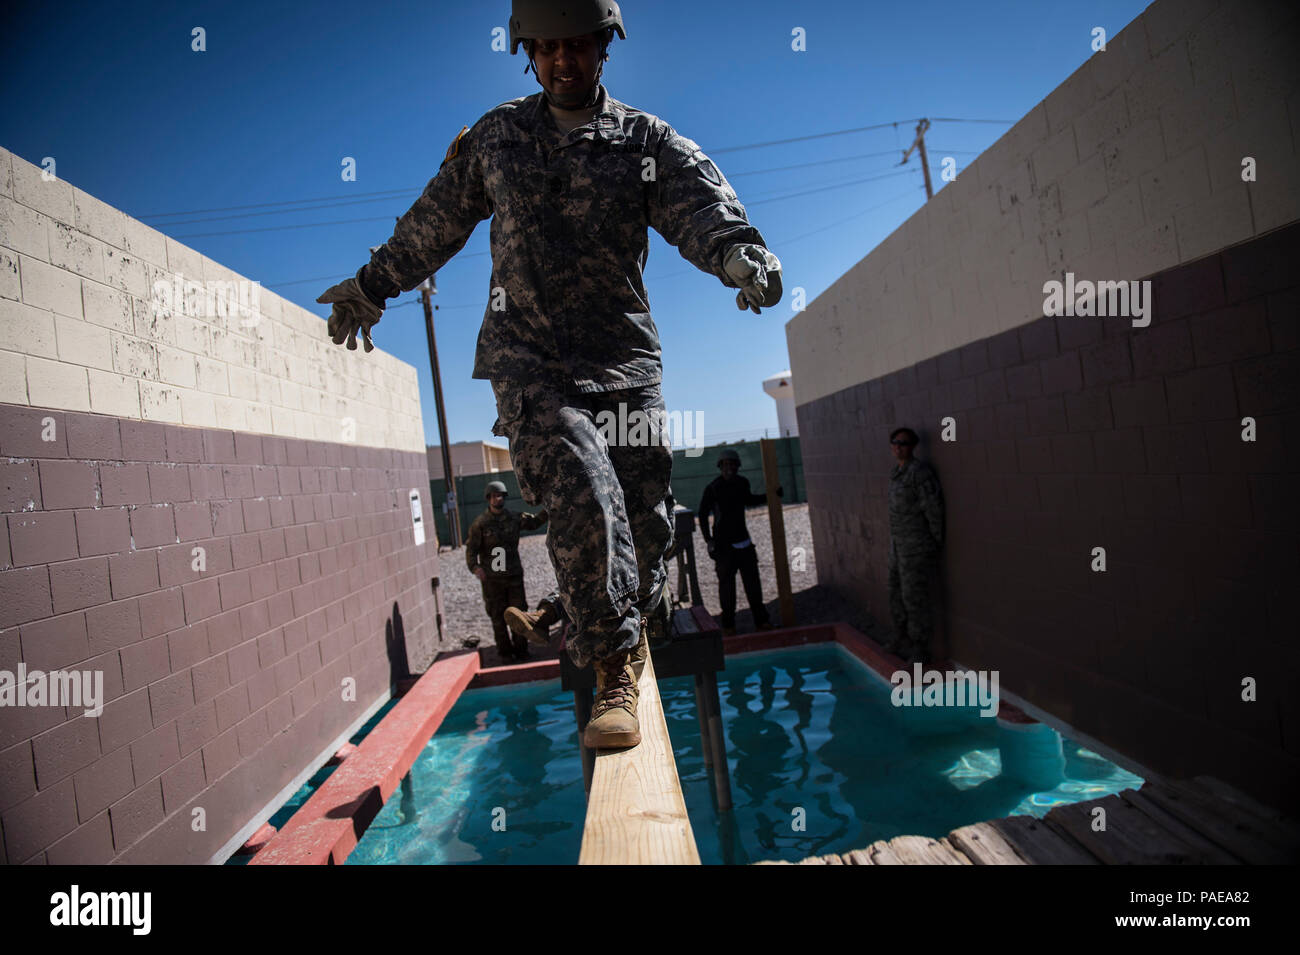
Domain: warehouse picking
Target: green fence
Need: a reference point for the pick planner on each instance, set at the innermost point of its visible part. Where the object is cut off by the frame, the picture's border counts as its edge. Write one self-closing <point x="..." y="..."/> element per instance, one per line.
<point x="690" y="476"/>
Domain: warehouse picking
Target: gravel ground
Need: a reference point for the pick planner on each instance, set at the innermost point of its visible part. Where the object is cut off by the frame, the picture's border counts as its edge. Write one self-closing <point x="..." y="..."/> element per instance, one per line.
<point x="465" y="623"/>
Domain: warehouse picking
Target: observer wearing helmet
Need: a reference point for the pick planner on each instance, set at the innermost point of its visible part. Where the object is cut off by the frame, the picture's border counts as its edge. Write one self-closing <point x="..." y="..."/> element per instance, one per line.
<point x="492" y="554"/>
<point x="723" y="505"/>
<point x="572" y="180"/>
<point x="916" y="523"/>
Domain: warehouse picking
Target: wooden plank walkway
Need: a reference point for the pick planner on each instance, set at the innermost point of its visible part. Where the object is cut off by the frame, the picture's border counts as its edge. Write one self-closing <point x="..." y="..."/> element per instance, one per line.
<point x="1184" y="822"/>
<point x="636" y="814"/>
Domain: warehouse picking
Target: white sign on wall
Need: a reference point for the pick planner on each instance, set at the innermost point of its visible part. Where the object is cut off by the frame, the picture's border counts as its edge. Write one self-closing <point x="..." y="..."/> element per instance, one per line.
<point x="417" y="515"/>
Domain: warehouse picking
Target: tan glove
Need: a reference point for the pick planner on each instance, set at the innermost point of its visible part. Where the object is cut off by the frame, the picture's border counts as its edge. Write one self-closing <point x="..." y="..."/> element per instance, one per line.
<point x="758" y="273"/>
<point x="353" y="312"/>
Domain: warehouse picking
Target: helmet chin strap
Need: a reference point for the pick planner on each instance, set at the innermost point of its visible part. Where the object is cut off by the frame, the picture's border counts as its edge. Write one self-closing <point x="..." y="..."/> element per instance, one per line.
<point x="593" y="94"/>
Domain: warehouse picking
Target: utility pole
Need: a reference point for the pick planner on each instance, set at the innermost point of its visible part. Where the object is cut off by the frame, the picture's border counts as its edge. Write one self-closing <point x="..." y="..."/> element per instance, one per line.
<point x="429" y="288"/>
<point x="919" y="144"/>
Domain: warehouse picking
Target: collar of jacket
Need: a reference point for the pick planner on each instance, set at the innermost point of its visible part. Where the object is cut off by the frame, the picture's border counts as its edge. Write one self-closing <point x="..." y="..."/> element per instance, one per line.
<point x="606" y="125"/>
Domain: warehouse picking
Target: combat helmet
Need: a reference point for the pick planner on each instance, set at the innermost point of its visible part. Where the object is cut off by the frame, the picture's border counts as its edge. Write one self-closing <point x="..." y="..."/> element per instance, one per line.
<point x="494" y="487"/>
<point x="557" y="19"/>
<point x="728" y="454"/>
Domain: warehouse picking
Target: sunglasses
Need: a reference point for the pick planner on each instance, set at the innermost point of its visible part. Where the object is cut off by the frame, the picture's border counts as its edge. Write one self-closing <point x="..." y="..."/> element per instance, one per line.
<point x="903" y="444"/>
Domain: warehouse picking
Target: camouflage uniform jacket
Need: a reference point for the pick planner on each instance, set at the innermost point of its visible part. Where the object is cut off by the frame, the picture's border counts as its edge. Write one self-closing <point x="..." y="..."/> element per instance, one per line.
<point x="569" y="237"/>
<point x="490" y="531"/>
<point x="915" y="509"/>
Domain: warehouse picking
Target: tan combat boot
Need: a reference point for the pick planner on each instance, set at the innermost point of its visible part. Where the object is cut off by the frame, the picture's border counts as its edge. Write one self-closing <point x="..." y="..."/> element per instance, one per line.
<point x="613" y="723"/>
<point x="638" y="654"/>
<point x="536" y="626"/>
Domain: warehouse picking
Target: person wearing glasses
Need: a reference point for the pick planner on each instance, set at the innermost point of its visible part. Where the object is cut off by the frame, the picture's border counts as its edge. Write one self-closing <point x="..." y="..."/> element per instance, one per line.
<point x="915" y="538"/>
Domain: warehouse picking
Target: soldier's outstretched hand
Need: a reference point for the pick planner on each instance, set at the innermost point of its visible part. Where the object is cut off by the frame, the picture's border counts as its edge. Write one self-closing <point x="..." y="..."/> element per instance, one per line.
<point x="353" y="312"/>
<point x="758" y="273"/>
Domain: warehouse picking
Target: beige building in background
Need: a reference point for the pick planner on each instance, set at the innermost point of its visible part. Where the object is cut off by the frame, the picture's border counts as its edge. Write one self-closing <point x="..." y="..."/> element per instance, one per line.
<point x="470" y="457"/>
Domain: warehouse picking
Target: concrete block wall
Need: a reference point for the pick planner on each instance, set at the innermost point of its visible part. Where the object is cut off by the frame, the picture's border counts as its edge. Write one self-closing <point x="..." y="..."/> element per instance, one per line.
<point x="1131" y="166"/>
<point x="184" y="510"/>
<point x="1074" y="432"/>
<point x="1085" y="432"/>
<point x="82" y="329"/>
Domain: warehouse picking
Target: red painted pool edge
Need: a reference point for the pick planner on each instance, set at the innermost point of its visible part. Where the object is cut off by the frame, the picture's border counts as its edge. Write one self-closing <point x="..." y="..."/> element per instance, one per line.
<point x="327" y="827"/>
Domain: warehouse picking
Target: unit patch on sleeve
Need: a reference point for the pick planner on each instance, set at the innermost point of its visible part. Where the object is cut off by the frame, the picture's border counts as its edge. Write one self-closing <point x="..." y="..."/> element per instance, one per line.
<point x="454" y="149"/>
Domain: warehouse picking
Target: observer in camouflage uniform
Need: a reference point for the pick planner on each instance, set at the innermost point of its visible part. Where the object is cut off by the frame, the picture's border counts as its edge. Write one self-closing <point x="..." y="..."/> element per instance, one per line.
<point x="567" y="332"/>
<point x="915" y="536"/>
<point x="503" y="585"/>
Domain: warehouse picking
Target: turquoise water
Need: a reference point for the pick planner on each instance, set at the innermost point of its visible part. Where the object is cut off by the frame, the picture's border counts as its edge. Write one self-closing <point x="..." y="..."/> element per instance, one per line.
<point x="821" y="762"/>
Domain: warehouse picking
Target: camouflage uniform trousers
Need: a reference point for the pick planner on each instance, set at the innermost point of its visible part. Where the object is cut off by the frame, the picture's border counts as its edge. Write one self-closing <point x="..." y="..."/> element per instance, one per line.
<point x="609" y="524"/>
<point x="911" y="584"/>
<point x="729" y="560"/>
<point x="498" y="594"/>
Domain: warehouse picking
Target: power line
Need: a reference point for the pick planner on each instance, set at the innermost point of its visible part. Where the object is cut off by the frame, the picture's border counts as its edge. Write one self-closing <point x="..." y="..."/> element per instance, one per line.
<point x="804" y="139"/>
<point x="282" y="228"/>
<point x="1005" y="122"/>
<point x="395" y="194"/>
<point x="692" y="270"/>
<point x="763" y="196"/>
<point x="318" y="278"/>
<point x="838" y="185"/>
<point x="725" y="149"/>
<point x="470" y="255"/>
<point x="819" y="162"/>
<point x="733" y="176"/>
<point x="261" y="205"/>
<point x="857" y="215"/>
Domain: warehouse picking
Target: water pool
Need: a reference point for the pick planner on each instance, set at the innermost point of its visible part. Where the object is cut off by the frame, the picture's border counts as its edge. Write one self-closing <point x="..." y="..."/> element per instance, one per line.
<point x="821" y="762"/>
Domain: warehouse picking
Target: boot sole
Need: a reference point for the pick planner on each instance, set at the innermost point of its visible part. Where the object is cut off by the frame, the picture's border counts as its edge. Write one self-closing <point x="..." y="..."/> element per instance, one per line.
<point x="516" y="625"/>
<point x="612" y="740"/>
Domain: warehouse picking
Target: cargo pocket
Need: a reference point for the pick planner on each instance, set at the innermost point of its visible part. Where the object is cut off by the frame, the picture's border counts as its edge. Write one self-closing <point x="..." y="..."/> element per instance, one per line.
<point x="510" y="421"/>
<point x="510" y="408"/>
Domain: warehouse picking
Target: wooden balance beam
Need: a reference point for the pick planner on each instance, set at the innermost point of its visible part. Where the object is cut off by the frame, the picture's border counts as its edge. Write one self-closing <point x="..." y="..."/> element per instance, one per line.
<point x="636" y="814"/>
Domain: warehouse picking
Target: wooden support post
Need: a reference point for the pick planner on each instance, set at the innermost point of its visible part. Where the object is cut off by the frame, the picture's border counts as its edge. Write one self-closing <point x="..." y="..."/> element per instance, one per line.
<point x="684" y="533"/>
<point x="717" y="742"/>
<point x="771" y="479"/>
<point x="691" y="572"/>
<point x="702" y="712"/>
<point x="681" y="574"/>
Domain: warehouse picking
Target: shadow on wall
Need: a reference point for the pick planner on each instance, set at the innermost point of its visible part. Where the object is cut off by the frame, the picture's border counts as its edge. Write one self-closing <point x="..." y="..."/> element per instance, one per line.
<point x="399" y="665"/>
<point x="941" y="640"/>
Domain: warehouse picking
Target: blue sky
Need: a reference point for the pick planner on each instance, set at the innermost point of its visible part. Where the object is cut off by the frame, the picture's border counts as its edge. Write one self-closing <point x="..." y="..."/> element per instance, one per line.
<point x="135" y="117"/>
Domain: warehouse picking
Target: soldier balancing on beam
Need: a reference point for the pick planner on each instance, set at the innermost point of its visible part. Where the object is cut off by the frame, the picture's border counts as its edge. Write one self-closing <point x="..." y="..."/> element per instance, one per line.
<point x="572" y="179"/>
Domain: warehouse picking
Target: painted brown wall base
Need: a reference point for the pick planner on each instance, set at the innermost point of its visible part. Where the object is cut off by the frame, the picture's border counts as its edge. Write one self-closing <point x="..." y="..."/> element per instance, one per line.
<point x="221" y="683"/>
<point x="1075" y="433"/>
